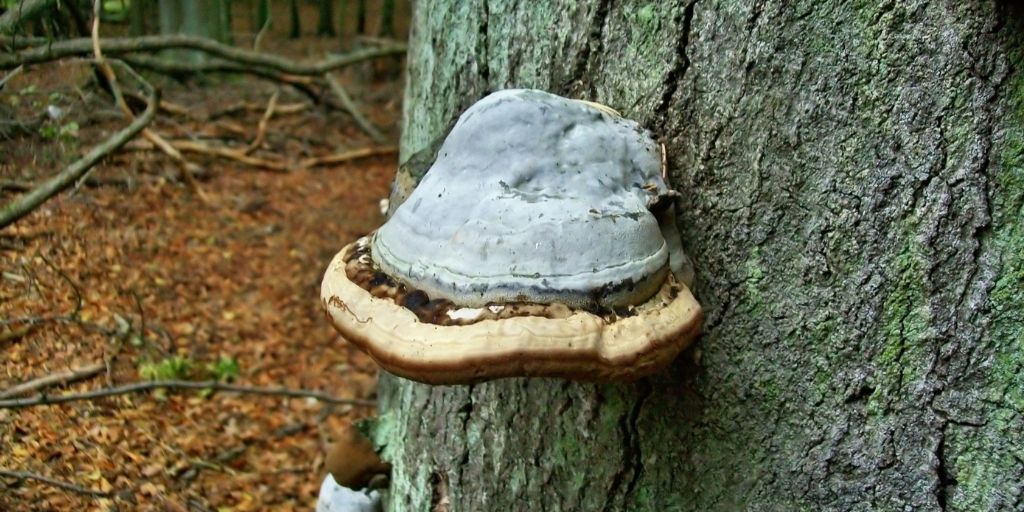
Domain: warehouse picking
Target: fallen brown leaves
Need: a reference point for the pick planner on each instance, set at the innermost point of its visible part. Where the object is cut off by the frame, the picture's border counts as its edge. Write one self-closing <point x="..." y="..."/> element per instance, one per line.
<point x="162" y="275"/>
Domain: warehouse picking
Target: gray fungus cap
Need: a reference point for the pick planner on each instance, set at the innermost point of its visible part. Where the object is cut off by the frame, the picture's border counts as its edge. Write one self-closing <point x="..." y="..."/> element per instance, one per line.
<point x="533" y="197"/>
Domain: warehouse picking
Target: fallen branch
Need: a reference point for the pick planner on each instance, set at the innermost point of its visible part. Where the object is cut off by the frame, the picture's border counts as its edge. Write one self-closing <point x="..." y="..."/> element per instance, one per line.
<point x="25" y="475"/>
<point x="53" y="379"/>
<point x="285" y="109"/>
<point x="302" y="84"/>
<point x="137" y="387"/>
<point x="122" y="45"/>
<point x="190" y="146"/>
<point x="17" y="71"/>
<point x="17" y="42"/>
<point x="27" y="202"/>
<point x="238" y="155"/>
<point x="261" y="127"/>
<point x="347" y="156"/>
<point x="352" y="109"/>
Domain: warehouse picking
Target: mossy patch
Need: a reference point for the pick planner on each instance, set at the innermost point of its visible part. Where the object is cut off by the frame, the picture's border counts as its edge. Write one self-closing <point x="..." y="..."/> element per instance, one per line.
<point x="988" y="458"/>
<point x="906" y="327"/>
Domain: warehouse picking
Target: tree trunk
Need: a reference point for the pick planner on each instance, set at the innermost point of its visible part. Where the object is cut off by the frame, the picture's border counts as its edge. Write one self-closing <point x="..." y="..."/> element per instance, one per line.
<point x="325" y="19"/>
<point x="206" y="18"/>
<point x="387" y="19"/>
<point x="360" y="17"/>
<point x="294" y="21"/>
<point x="853" y="183"/>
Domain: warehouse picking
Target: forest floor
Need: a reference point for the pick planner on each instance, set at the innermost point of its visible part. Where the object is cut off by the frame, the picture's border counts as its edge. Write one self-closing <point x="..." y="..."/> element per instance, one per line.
<point x="135" y="272"/>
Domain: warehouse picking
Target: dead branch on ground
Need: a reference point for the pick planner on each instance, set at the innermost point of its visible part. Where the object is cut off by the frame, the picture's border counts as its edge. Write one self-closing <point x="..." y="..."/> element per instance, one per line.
<point x="239" y="155"/>
<point x="54" y="379"/>
<point x="285" y="109"/>
<point x="120" y="46"/>
<point x="352" y="109"/>
<point x="27" y="475"/>
<point x="261" y="128"/>
<point x="347" y="156"/>
<point x="17" y="71"/>
<point x="212" y="385"/>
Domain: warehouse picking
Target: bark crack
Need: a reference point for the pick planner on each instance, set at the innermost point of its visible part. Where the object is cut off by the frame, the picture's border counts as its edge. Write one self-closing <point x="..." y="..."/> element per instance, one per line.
<point x="632" y="451"/>
<point x="594" y="46"/>
<point x="466" y="411"/>
<point x="682" y="63"/>
<point x="485" y="66"/>
<point x="946" y="481"/>
<point x="635" y="447"/>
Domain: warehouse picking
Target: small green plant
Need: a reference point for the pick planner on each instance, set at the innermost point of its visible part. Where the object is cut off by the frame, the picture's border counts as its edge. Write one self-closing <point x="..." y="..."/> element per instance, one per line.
<point x="226" y="368"/>
<point x="171" y="368"/>
<point x="67" y="132"/>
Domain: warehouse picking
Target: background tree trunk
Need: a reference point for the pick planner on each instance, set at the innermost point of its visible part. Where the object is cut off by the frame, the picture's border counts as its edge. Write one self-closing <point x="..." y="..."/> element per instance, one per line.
<point x="295" y="23"/>
<point x="325" y="18"/>
<point x="853" y="190"/>
<point x="206" y="18"/>
<point x="360" y="17"/>
<point x="386" y="28"/>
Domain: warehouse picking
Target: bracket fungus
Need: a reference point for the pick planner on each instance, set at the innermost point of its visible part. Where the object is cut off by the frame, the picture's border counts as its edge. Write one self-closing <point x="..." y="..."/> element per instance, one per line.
<point x="541" y="242"/>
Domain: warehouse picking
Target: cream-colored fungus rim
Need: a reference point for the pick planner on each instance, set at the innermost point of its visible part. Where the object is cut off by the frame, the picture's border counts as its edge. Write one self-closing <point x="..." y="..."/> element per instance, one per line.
<point x="582" y="346"/>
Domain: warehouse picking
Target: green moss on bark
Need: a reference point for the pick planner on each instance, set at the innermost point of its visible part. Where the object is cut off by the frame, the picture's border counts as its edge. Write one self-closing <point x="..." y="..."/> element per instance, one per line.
<point x="992" y="453"/>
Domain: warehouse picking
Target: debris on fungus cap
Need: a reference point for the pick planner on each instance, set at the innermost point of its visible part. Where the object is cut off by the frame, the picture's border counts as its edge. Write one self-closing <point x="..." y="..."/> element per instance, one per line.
<point x="541" y="242"/>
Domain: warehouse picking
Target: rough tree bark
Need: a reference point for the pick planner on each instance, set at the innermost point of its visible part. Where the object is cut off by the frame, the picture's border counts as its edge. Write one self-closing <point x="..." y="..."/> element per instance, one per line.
<point x="853" y="190"/>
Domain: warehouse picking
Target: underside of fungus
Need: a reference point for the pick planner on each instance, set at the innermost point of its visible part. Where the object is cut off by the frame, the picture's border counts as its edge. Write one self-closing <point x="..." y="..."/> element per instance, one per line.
<point x="541" y="242"/>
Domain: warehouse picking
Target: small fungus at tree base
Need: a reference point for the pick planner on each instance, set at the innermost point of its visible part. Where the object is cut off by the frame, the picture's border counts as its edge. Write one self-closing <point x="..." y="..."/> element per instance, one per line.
<point x="541" y="242"/>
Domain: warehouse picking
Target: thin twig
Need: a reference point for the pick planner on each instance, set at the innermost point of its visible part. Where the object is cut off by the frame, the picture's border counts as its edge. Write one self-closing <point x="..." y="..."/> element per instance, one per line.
<point x="285" y="109"/>
<point x="137" y="387"/>
<point x="261" y="34"/>
<point x="229" y="153"/>
<point x="261" y="128"/>
<point x="17" y="71"/>
<point x="122" y="45"/>
<point x="26" y="475"/>
<point x="174" y="108"/>
<point x="347" y="156"/>
<point x="191" y="146"/>
<point x="352" y="109"/>
<point x="53" y="379"/>
<point x="79" y="298"/>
